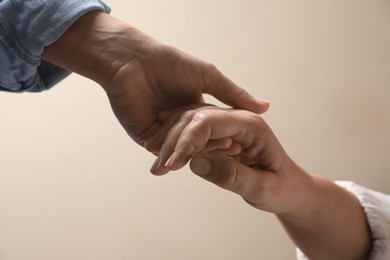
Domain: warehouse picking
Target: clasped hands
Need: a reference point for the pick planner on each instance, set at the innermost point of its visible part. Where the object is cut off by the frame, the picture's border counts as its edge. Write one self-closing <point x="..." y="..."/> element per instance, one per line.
<point x="156" y="93"/>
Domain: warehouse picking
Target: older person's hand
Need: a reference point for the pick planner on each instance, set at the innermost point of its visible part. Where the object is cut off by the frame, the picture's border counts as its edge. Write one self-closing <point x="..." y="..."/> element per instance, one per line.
<point x="142" y="76"/>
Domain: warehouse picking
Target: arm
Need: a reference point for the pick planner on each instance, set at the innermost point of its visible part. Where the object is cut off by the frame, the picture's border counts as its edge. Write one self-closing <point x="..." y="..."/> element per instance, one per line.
<point x="141" y="75"/>
<point x="26" y="27"/>
<point x="335" y="226"/>
<point x="324" y="220"/>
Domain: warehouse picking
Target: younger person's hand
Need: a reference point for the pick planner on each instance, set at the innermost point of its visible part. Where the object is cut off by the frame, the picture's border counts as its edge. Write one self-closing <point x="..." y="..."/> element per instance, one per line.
<point x="238" y="151"/>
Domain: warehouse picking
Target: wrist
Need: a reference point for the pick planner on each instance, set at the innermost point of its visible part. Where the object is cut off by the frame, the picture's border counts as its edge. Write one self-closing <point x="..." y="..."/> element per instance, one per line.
<point x="310" y="193"/>
<point x="96" y="46"/>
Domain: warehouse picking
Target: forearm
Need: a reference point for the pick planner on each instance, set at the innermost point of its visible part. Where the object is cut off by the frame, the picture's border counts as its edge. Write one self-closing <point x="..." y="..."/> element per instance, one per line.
<point x="335" y="227"/>
<point x="26" y="27"/>
<point x="96" y="46"/>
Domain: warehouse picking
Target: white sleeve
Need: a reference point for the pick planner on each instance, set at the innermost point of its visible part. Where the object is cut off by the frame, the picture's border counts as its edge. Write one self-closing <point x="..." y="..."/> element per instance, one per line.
<point x="376" y="206"/>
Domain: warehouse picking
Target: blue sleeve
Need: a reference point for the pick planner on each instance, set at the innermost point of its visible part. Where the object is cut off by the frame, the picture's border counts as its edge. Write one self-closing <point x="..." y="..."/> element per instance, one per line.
<point x="26" y="27"/>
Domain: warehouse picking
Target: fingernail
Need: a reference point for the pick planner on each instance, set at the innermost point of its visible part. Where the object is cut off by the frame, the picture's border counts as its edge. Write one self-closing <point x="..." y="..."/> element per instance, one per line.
<point x="162" y="170"/>
<point x="154" y="166"/>
<point x="171" y="160"/>
<point x="201" y="166"/>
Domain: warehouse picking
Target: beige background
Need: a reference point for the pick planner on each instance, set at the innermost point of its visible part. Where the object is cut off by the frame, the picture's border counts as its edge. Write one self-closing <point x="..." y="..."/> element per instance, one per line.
<point x="74" y="186"/>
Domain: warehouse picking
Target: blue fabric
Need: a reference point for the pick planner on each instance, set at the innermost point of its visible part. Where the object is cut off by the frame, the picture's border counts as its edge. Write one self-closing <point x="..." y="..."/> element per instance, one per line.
<point x="26" y="27"/>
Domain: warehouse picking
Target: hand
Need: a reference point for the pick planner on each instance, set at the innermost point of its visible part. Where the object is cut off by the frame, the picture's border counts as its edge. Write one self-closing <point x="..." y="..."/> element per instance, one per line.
<point x="247" y="157"/>
<point x="237" y="150"/>
<point x="141" y="76"/>
<point x="162" y="78"/>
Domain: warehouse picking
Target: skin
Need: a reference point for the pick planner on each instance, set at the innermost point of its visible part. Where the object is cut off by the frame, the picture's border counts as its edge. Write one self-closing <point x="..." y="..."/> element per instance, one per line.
<point x="238" y="151"/>
<point x="143" y="78"/>
<point x="140" y="75"/>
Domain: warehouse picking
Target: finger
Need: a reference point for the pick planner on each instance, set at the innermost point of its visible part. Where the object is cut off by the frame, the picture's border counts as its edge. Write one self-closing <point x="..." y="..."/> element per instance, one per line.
<point x="234" y="149"/>
<point x="224" y="146"/>
<point x="154" y="143"/>
<point x="231" y="175"/>
<point x="219" y="144"/>
<point x="225" y="90"/>
<point x="165" y="120"/>
<point x="205" y="126"/>
<point x="169" y="144"/>
<point x="180" y="121"/>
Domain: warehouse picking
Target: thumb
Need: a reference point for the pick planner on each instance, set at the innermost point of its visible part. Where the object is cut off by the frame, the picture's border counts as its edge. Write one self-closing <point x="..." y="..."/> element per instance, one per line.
<point x="232" y="175"/>
<point x="231" y="94"/>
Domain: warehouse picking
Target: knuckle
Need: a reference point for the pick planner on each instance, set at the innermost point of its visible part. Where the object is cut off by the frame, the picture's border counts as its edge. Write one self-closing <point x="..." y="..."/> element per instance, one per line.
<point x="242" y="92"/>
<point x="202" y="124"/>
<point x="187" y="115"/>
<point x="211" y="68"/>
<point x="210" y="74"/>
<point x="190" y="149"/>
<point x="203" y="116"/>
<point x="230" y="180"/>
